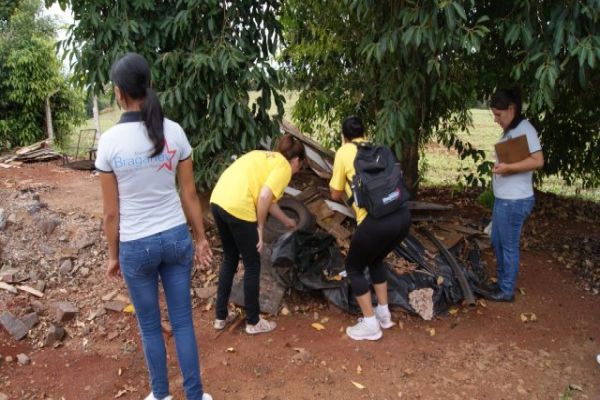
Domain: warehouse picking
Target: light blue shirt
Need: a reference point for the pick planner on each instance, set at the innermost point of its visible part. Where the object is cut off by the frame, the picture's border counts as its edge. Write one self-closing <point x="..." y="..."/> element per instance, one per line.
<point x="517" y="186"/>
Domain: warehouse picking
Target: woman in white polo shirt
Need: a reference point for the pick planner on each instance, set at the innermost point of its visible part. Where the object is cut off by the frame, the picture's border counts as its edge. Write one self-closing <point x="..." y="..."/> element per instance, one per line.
<point x="513" y="191"/>
<point x="145" y="224"/>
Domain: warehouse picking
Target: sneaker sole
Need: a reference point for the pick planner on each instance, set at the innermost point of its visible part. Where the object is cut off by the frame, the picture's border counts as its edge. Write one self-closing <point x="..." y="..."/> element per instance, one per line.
<point x="387" y="326"/>
<point x="259" y="332"/>
<point x="376" y="336"/>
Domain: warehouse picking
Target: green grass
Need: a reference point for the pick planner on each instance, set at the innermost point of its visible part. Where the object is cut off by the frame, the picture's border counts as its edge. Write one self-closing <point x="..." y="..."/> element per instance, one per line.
<point x="442" y="167"/>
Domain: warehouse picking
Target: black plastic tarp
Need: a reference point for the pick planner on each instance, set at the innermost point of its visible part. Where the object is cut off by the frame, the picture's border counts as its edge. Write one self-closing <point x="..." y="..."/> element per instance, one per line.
<point x="313" y="261"/>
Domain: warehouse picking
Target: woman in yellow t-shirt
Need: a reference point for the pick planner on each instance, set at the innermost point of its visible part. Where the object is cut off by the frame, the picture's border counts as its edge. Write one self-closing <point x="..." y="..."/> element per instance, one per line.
<point x="245" y="194"/>
<point x="372" y="241"/>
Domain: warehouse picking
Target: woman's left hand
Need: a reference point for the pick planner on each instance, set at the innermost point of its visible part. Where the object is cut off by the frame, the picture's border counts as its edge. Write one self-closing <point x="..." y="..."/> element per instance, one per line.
<point x="502" y="169"/>
<point x="203" y="252"/>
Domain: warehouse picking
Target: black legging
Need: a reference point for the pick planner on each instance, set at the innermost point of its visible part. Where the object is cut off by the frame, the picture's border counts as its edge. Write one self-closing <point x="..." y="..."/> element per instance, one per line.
<point x="238" y="237"/>
<point x="373" y="240"/>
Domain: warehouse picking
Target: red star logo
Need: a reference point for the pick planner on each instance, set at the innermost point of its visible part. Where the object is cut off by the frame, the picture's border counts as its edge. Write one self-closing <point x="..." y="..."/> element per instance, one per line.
<point x="168" y="164"/>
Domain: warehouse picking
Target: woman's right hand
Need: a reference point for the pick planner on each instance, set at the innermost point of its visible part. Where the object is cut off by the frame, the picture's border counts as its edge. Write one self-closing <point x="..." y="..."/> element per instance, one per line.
<point x="113" y="268"/>
<point x="291" y="224"/>
<point x="203" y="252"/>
<point x="259" y="245"/>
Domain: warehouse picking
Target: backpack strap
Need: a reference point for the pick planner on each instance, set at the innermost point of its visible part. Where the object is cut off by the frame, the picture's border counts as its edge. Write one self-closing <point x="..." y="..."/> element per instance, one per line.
<point x="358" y="146"/>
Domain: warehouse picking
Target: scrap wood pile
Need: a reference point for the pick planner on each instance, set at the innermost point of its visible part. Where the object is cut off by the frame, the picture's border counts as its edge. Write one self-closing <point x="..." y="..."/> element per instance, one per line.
<point x="437" y="266"/>
<point x="40" y="151"/>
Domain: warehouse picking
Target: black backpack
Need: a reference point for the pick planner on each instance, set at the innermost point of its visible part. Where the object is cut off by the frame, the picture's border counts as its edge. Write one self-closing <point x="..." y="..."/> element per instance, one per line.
<point x="378" y="184"/>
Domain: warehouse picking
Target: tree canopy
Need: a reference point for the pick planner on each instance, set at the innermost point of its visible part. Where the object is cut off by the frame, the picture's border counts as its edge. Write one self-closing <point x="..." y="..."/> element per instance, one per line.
<point x="412" y="69"/>
<point x="206" y="56"/>
<point x="29" y="73"/>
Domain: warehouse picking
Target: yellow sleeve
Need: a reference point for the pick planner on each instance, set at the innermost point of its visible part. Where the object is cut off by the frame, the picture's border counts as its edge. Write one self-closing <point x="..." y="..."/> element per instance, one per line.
<point x="338" y="176"/>
<point x="278" y="179"/>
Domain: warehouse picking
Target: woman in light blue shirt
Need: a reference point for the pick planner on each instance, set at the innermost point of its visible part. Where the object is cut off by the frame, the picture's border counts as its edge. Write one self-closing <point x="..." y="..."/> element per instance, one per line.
<point x="513" y="191"/>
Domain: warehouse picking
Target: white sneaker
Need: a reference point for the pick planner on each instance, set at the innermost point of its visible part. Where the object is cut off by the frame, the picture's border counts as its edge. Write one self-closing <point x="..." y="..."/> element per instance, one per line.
<point x="151" y="397"/>
<point x="206" y="396"/>
<point x="385" y="320"/>
<point x="220" y="324"/>
<point x="262" y="326"/>
<point x="364" y="331"/>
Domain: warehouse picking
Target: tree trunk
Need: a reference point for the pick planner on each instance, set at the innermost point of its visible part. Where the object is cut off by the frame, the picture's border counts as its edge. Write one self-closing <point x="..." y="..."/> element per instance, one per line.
<point x="410" y="165"/>
<point x="96" y="118"/>
<point x="49" y="128"/>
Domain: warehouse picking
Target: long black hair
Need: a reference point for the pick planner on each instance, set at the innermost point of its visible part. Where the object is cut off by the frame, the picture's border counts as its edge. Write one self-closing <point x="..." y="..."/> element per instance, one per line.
<point x="131" y="73"/>
<point x="504" y="98"/>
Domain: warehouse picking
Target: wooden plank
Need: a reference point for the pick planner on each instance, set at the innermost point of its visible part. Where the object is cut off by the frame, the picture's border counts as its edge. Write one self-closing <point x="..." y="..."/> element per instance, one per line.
<point x="338" y="218"/>
<point x="288" y="127"/>
<point x="8" y="287"/>
<point x="338" y="231"/>
<point x="320" y="209"/>
<point x="30" y="290"/>
<point x="307" y="194"/>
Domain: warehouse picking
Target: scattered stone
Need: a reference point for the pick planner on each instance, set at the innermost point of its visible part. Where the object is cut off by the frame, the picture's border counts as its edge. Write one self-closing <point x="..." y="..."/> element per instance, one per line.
<point x="115" y="305"/>
<point x="113" y="335"/>
<point x="65" y="267"/>
<point x="301" y="356"/>
<point x="421" y="301"/>
<point x="8" y="275"/>
<point x="47" y="226"/>
<point x="65" y="311"/>
<point x="30" y="320"/>
<point x="23" y="359"/>
<point x="98" y="312"/>
<point x="63" y="238"/>
<point x="40" y="285"/>
<point x="206" y="292"/>
<point x="34" y="276"/>
<point x="110" y="296"/>
<point x="13" y="325"/>
<point x="84" y="242"/>
<point x="37" y="306"/>
<point x="8" y="359"/>
<point x="55" y="333"/>
<point x="12" y="218"/>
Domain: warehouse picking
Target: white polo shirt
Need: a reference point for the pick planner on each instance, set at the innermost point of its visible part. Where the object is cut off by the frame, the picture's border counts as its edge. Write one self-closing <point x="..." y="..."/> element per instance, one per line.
<point x="517" y="186"/>
<point x="148" y="198"/>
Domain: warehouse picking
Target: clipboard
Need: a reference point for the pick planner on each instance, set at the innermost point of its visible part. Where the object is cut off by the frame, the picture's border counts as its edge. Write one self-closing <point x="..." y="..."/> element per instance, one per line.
<point x="512" y="150"/>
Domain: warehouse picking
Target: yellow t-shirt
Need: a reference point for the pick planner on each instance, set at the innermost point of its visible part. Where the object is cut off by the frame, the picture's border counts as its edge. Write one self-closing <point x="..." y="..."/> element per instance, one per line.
<point x="239" y="186"/>
<point x="343" y="172"/>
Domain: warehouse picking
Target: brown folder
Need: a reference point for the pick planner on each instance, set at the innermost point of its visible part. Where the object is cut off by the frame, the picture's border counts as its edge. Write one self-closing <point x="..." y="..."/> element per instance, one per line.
<point x="513" y="150"/>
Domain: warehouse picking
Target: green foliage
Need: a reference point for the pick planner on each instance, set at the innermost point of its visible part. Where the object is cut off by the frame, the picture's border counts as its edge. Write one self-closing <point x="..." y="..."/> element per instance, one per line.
<point x="29" y="73"/>
<point x="401" y="66"/>
<point x="205" y="55"/>
<point x="551" y="50"/>
<point x="486" y="198"/>
<point x="412" y="69"/>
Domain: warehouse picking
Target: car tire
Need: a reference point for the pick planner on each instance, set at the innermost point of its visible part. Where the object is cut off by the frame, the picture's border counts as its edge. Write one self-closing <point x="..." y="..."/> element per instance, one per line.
<point x="294" y="209"/>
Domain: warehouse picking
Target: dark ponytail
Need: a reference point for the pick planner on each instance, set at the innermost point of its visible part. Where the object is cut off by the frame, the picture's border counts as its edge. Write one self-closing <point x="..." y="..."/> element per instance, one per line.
<point x="153" y="117"/>
<point x="290" y="147"/>
<point x="131" y="73"/>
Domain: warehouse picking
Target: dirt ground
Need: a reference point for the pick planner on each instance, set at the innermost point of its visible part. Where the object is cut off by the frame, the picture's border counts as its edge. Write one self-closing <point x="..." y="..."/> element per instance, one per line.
<point x="474" y="353"/>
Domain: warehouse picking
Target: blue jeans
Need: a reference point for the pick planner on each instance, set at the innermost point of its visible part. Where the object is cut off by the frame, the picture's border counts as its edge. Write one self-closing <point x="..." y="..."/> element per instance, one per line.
<point x="507" y="220"/>
<point x="167" y="255"/>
